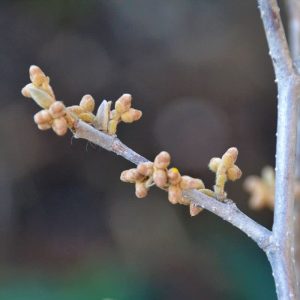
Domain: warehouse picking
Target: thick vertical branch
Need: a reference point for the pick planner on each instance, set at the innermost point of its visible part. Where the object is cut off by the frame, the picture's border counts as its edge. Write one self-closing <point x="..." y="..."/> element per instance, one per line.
<point x="282" y="257"/>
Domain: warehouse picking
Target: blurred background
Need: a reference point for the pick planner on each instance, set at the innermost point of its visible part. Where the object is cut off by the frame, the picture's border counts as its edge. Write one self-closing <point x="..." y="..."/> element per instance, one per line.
<point x="69" y="229"/>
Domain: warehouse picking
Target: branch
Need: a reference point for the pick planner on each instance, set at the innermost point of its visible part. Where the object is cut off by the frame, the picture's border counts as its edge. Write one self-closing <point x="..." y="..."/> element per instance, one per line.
<point x="276" y="39"/>
<point x="226" y="210"/>
<point x="282" y="257"/>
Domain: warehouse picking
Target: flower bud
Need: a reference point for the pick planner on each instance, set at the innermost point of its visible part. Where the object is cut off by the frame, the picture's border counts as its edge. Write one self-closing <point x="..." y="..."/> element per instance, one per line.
<point x="123" y="104"/>
<point x="188" y="182"/>
<point x="60" y="126"/>
<point x="234" y="173"/>
<point x="112" y="127"/>
<point x="87" y="117"/>
<point x="162" y="160"/>
<point x="44" y="126"/>
<point x="43" y="99"/>
<point x="87" y="103"/>
<point x="174" y="176"/>
<point x="75" y="109"/>
<point x="140" y="189"/>
<point x="36" y="75"/>
<point x="42" y="117"/>
<point x="174" y="194"/>
<point x="194" y="210"/>
<point x="146" y="169"/>
<point x="214" y="164"/>
<point x="25" y="91"/>
<point x="131" y="176"/>
<point x="131" y="115"/>
<point x="185" y="201"/>
<point x="160" y="178"/>
<point x="57" y="109"/>
<point x="230" y="157"/>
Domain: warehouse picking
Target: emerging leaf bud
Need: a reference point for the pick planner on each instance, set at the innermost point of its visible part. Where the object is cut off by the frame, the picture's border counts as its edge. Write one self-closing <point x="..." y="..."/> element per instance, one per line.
<point x="43" y="99"/>
<point x="194" y="210"/>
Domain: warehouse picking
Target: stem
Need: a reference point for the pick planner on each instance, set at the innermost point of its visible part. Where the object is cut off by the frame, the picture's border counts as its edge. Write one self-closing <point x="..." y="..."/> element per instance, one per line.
<point x="282" y="257"/>
<point x="226" y="210"/>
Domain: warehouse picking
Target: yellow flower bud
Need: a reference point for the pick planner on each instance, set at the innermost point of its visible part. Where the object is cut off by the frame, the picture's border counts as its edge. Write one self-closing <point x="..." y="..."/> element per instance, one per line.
<point x="162" y="160"/>
<point x="174" y="176"/>
<point x="112" y="127"/>
<point x="75" y="109"/>
<point x="87" y="117"/>
<point x="36" y="75"/>
<point x="145" y="169"/>
<point x="160" y="178"/>
<point x="234" y="173"/>
<point x="57" y="109"/>
<point x="140" y="189"/>
<point x="87" y="103"/>
<point x="123" y="104"/>
<point x="214" y="164"/>
<point x="131" y="115"/>
<point x="194" y="210"/>
<point x="60" y="126"/>
<point x="174" y="194"/>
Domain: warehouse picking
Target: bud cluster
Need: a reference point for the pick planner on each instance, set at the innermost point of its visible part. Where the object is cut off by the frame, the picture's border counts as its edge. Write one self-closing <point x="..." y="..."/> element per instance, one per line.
<point x="58" y="117"/>
<point x="157" y="173"/>
<point x="107" y="120"/>
<point x="225" y="169"/>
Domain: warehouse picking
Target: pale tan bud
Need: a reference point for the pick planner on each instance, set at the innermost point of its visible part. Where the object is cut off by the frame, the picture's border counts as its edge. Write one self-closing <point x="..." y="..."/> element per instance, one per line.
<point x="44" y="126"/>
<point x="188" y="182"/>
<point x="102" y="117"/>
<point x="162" y="160"/>
<point x="140" y="189"/>
<point x="230" y="157"/>
<point x="174" y="176"/>
<point x="36" y="75"/>
<point x="75" y="109"/>
<point x="25" y="91"/>
<point x="57" y="109"/>
<point x="123" y="104"/>
<point x="131" y="176"/>
<point x="234" y="173"/>
<point x="43" y="99"/>
<point x="60" y="126"/>
<point x="87" y="103"/>
<point x="160" y="178"/>
<point x="194" y="210"/>
<point x="174" y="194"/>
<point x="214" y="164"/>
<point x="42" y="117"/>
<point x="131" y="115"/>
<point x="87" y="117"/>
<point x="146" y="169"/>
<point x="112" y="127"/>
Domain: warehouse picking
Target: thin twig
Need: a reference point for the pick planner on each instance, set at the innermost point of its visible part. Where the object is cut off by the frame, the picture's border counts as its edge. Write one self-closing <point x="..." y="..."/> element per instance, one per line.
<point x="226" y="210"/>
<point x="282" y="257"/>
